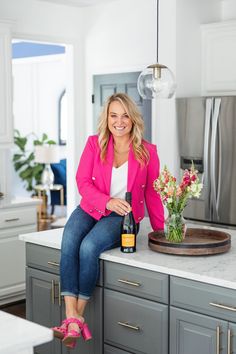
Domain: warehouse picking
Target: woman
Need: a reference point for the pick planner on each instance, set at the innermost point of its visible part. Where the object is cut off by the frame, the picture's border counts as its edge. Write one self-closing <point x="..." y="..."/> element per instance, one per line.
<point x="113" y="162"/>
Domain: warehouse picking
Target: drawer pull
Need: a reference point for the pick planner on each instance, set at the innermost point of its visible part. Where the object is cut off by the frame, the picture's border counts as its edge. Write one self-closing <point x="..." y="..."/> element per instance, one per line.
<point x="133" y="283"/>
<point x="53" y="292"/>
<point x="126" y="324"/>
<point x="218" y="340"/>
<point x="13" y="219"/>
<point x="230" y="308"/>
<point x="229" y="335"/>
<point x="59" y="294"/>
<point x="53" y="263"/>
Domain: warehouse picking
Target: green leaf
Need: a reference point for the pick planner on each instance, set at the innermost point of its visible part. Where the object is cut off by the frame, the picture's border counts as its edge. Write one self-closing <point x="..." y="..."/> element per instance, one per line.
<point x="21" y="142"/>
<point x="17" y="157"/>
<point x="51" y="142"/>
<point x="26" y="173"/>
<point x="45" y="137"/>
<point x="37" y="142"/>
<point x="18" y="165"/>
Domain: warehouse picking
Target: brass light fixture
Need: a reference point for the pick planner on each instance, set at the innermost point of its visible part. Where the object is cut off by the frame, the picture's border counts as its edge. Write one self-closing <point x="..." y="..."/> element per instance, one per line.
<point x="156" y="80"/>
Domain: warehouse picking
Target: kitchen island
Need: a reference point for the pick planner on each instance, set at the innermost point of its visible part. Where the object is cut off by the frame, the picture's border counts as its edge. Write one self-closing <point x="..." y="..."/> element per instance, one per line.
<point x="145" y="302"/>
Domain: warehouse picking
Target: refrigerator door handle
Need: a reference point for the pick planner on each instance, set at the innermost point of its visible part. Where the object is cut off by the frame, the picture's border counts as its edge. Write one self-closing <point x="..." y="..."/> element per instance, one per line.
<point x="206" y="176"/>
<point x="215" y="119"/>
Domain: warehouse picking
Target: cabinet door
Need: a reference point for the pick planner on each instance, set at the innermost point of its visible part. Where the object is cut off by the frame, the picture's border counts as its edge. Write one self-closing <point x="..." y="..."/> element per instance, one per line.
<point x="134" y="324"/>
<point x="93" y="316"/>
<point x="42" y="306"/>
<point x="12" y="263"/>
<point x="6" y="126"/>
<point x="194" y="333"/>
<point x="218" y="58"/>
<point x="112" y="350"/>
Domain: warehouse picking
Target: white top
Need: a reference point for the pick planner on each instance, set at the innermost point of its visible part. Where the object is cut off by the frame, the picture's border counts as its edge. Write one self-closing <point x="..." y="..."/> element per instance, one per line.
<point x="19" y="336"/>
<point x="119" y="181"/>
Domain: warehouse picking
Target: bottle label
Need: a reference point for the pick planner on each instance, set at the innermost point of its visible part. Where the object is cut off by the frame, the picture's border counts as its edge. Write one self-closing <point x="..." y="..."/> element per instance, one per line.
<point x="127" y="240"/>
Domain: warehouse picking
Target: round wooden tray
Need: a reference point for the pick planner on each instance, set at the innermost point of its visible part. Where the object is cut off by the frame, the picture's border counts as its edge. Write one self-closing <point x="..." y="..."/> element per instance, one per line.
<point x="197" y="242"/>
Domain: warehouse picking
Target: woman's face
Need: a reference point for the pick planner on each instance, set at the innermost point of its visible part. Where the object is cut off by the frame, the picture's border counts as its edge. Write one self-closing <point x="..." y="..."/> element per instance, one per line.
<point x="119" y="122"/>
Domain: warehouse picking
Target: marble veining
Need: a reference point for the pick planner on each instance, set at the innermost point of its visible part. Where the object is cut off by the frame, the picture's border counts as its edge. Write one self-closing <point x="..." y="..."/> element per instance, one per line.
<point x="214" y="269"/>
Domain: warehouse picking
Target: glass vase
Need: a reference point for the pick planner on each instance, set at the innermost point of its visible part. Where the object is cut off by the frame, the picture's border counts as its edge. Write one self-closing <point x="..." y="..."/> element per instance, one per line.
<point x="175" y="227"/>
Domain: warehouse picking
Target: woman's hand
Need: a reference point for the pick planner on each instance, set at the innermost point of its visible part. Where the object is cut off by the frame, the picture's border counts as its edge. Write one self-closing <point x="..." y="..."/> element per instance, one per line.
<point x="119" y="206"/>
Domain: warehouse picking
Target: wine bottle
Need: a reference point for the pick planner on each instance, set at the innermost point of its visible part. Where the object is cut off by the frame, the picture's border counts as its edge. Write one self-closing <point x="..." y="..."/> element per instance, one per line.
<point x="128" y="229"/>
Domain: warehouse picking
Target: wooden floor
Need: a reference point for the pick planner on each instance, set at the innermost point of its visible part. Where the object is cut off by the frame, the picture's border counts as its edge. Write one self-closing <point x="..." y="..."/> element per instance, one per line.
<point x="17" y="309"/>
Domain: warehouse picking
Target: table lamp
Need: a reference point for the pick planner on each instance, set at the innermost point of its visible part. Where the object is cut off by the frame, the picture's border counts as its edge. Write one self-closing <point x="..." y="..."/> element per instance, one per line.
<point x="47" y="154"/>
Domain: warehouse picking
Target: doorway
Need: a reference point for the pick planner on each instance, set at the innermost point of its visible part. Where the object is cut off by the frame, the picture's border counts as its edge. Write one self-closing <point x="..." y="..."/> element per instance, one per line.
<point x="40" y="77"/>
<point x="107" y="84"/>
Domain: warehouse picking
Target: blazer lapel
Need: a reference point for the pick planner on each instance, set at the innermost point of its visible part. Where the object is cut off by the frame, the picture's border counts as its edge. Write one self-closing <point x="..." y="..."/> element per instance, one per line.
<point x="107" y="165"/>
<point x="133" y="166"/>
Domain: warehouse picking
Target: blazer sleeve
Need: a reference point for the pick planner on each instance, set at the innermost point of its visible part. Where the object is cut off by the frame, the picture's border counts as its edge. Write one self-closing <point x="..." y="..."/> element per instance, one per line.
<point x="152" y="198"/>
<point x="87" y="190"/>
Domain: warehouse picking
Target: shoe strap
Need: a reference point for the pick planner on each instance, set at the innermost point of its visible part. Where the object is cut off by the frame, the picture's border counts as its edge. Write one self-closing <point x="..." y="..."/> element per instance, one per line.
<point x="70" y="320"/>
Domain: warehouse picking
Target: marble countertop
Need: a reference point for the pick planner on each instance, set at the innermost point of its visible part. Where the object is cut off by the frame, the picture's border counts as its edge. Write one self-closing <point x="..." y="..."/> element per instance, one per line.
<point x="19" y="335"/>
<point x="18" y="201"/>
<point x="215" y="269"/>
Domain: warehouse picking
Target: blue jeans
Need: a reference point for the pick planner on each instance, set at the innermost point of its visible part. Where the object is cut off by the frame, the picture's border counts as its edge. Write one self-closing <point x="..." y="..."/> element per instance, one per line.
<point x="84" y="239"/>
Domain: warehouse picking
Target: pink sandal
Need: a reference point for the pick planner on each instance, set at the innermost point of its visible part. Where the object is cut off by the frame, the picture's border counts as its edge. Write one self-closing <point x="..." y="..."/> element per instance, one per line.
<point x="69" y="337"/>
<point x="60" y="332"/>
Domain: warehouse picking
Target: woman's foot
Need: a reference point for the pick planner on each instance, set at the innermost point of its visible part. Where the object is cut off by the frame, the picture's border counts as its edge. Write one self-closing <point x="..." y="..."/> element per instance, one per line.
<point x="60" y="332"/>
<point x="74" y="326"/>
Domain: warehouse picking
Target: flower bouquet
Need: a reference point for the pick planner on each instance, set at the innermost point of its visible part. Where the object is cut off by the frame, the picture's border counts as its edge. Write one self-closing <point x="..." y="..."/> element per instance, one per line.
<point x="175" y="196"/>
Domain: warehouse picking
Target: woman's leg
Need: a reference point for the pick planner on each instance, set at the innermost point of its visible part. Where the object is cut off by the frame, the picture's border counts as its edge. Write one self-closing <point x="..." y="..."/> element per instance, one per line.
<point x="76" y="228"/>
<point x="103" y="236"/>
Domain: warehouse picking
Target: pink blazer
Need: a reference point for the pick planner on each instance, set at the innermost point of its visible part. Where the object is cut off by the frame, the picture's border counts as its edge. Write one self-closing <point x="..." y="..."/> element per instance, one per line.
<point x="93" y="179"/>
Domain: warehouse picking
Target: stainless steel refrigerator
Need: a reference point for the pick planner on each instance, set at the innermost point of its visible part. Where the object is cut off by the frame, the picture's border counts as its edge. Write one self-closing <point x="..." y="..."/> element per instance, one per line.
<point x="207" y="136"/>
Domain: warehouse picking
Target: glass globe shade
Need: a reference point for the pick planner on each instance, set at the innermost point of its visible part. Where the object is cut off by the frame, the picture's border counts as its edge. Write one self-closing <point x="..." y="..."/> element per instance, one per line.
<point x="156" y="81"/>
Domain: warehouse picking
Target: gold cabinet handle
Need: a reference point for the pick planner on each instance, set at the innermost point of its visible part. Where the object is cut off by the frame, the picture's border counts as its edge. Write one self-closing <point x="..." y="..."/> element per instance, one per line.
<point x="13" y="219"/>
<point x="53" y="292"/>
<point x="133" y="283"/>
<point x="56" y="264"/>
<point x="59" y="294"/>
<point x="127" y="325"/>
<point x="229" y="341"/>
<point x="221" y="306"/>
<point x="218" y="340"/>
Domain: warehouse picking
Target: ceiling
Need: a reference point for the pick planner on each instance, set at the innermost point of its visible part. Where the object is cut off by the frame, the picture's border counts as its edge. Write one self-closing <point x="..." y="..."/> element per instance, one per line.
<point x="78" y="3"/>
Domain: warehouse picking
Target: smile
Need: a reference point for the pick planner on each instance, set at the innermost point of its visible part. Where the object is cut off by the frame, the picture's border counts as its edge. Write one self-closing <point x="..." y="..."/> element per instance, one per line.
<point x="119" y="128"/>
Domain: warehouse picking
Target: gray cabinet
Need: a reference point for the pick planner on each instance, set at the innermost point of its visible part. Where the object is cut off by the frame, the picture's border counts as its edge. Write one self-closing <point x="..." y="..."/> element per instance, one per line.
<point x="112" y="350"/>
<point x="195" y="333"/>
<point x="44" y="304"/>
<point x="132" y="322"/>
<point x="200" y="318"/>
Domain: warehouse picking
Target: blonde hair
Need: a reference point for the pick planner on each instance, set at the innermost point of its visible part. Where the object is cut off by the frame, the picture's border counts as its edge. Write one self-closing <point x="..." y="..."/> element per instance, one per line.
<point x="136" y="134"/>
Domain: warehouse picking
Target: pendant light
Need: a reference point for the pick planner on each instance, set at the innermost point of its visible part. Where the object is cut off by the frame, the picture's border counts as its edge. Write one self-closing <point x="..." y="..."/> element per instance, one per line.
<point x="156" y="80"/>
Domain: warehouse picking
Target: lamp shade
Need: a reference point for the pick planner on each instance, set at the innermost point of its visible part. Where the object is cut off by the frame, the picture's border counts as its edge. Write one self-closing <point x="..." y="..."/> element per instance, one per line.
<point x="47" y="154"/>
<point x="156" y="81"/>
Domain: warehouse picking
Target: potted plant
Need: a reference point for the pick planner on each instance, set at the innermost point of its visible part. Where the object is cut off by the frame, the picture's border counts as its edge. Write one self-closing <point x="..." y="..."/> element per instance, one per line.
<point x="29" y="171"/>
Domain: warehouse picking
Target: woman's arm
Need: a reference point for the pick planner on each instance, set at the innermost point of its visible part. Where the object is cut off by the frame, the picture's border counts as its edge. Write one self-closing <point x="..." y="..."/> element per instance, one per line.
<point x="152" y="198"/>
<point x="88" y="191"/>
